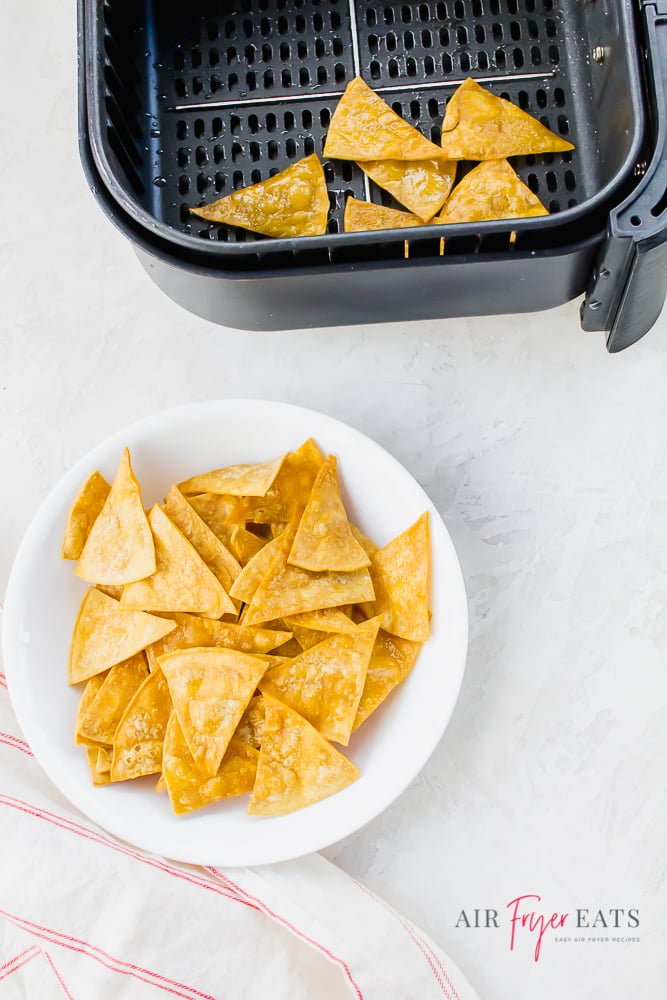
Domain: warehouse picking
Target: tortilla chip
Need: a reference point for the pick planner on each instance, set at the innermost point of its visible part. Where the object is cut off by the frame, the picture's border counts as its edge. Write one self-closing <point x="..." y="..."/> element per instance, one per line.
<point x="296" y="766"/>
<point x="217" y="557"/>
<point x="323" y="539"/>
<point x="245" y="544"/>
<point x="325" y="683"/>
<point x="365" y="216"/>
<point x="364" y="127"/>
<point x="138" y="740"/>
<point x="367" y="545"/>
<point x="105" y="712"/>
<point x="236" y="480"/>
<point x="421" y="186"/>
<point x="326" y="620"/>
<point x="294" y="202"/>
<point x="182" y="581"/>
<point x="115" y="592"/>
<point x="106" y="634"/>
<point x="119" y="548"/>
<point x="480" y="126"/>
<point x="291" y="488"/>
<point x="252" y="574"/>
<point x="289" y="590"/>
<point x="251" y="726"/>
<point x="84" y="513"/>
<point x="185" y="785"/>
<point x="211" y="689"/>
<point x="193" y="631"/>
<point x="104" y="755"/>
<point x="87" y="697"/>
<point x="491" y="190"/>
<point x="391" y="661"/>
<point x="307" y="637"/>
<point x="218" y="512"/>
<point x="400" y="576"/>
<point x="99" y="777"/>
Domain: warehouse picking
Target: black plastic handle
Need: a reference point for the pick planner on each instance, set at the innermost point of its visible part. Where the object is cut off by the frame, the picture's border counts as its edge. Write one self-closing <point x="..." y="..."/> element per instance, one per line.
<point x="629" y="284"/>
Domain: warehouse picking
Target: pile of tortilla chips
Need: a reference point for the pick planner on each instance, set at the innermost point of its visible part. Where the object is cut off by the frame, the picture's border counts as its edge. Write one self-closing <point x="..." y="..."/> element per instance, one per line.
<point x="232" y="632"/>
<point x="420" y="175"/>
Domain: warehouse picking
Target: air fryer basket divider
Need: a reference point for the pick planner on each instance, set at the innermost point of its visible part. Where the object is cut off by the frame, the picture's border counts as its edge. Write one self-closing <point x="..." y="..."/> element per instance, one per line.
<point x="180" y="141"/>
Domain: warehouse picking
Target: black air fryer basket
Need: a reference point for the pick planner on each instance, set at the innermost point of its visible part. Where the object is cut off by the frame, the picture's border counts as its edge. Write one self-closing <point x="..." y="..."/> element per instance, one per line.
<point x="183" y="103"/>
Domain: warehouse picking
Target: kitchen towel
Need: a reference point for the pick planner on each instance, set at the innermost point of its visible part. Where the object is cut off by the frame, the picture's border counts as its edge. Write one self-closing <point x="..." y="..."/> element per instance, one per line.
<point x="88" y="917"/>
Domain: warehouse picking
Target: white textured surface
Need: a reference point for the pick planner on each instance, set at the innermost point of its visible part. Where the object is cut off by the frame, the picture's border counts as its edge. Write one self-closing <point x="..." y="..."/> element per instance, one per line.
<point x="547" y="459"/>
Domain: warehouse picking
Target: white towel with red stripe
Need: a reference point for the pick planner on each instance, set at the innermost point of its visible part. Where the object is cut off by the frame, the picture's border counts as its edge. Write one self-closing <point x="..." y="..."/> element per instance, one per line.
<point x="87" y="917"/>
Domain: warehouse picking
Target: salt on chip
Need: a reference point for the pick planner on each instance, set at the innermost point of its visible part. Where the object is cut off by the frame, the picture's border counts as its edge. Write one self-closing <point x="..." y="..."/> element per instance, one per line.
<point x="288" y="590"/>
<point x="251" y="726"/>
<point x="324" y="684"/>
<point x="400" y="573"/>
<point x="294" y="202"/>
<point x="391" y="661"/>
<point x="211" y="689"/>
<point x="138" y="740"/>
<point x="187" y="789"/>
<point x="87" y="697"/>
<point x="194" y="631"/>
<point x="297" y="766"/>
<point x="491" y="190"/>
<point x="100" y="721"/>
<point x="106" y="634"/>
<point x="215" y="554"/>
<point x="235" y="480"/>
<point x="364" y="127"/>
<point x="324" y="540"/>
<point x="119" y="548"/>
<point x="84" y="513"/>
<point x="421" y="186"/>
<point x="480" y="126"/>
<point x="366" y="216"/>
<point x="290" y="490"/>
<point x="182" y="580"/>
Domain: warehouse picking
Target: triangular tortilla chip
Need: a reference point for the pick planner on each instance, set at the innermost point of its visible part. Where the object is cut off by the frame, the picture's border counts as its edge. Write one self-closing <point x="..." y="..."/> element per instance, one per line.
<point x="325" y="683"/>
<point x="217" y="557"/>
<point x="187" y="789"/>
<point x="289" y="590"/>
<point x="391" y="661"/>
<point x="84" y="513"/>
<point x="138" y="740"/>
<point x="421" y="186"/>
<point x="100" y="777"/>
<point x="235" y="480"/>
<point x="106" y="634"/>
<point x="491" y="190"/>
<point x="294" y="202"/>
<point x="245" y="544"/>
<point x="119" y="548"/>
<point x="87" y="697"/>
<point x="324" y="540"/>
<point x="104" y="756"/>
<point x="366" y="216"/>
<point x="104" y="713"/>
<point x="252" y="574"/>
<point x="296" y="766"/>
<point x="210" y="688"/>
<point x="480" y="126"/>
<point x="182" y="581"/>
<point x="364" y="127"/>
<point x="251" y="726"/>
<point x="307" y="637"/>
<point x="326" y="620"/>
<point x="218" y="512"/>
<point x="400" y="573"/>
<point x="193" y="631"/>
<point x="291" y="488"/>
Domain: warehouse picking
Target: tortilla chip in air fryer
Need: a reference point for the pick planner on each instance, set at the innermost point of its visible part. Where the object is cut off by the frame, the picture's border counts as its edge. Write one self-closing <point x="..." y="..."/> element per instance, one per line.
<point x="492" y="190"/>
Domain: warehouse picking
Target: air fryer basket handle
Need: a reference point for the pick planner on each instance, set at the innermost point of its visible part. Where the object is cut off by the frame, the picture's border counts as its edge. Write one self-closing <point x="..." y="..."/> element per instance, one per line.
<point x="629" y="284"/>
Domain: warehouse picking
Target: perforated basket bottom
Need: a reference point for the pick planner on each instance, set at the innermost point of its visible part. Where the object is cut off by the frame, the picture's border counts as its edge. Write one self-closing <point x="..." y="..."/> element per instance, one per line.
<point x="228" y="95"/>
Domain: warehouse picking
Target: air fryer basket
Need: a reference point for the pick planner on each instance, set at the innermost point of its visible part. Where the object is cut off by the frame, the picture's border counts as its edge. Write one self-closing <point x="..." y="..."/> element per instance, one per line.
<point x="184" y="104"/>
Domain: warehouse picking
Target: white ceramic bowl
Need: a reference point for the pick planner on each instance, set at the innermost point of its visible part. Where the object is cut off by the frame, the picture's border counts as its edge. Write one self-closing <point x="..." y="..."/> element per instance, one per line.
<point x="43" y="597"/>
